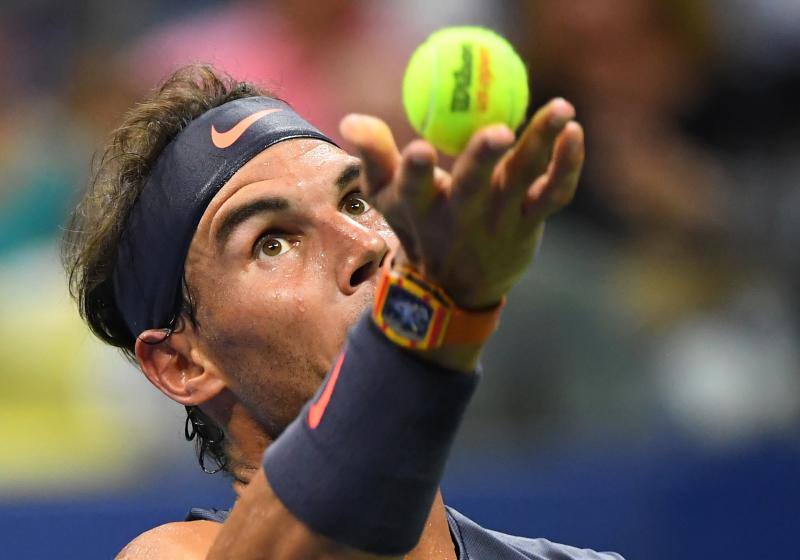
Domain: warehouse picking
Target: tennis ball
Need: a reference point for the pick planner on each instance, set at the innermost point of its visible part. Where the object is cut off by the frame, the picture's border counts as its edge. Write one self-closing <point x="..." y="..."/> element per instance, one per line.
<point x="461" y="79"/>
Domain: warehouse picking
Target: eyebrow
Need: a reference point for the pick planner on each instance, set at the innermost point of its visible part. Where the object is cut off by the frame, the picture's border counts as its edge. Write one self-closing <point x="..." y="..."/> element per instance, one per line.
<point x="275" y="204"/>
<point x="348" y="175"/>
<point x="247" y="211"/>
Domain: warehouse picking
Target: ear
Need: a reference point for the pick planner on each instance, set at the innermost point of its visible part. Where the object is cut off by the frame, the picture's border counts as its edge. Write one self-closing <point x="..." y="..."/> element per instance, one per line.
<point x="171" y="362"/>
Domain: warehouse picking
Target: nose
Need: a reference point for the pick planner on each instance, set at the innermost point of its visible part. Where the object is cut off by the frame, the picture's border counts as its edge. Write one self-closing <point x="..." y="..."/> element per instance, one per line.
<point x="364" y="252"/>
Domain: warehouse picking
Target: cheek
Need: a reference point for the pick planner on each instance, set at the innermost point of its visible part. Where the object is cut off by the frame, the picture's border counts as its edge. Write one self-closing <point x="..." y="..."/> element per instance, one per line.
<point x="279" y="317"/>
<point x="273" y="315"/>
<point x="271" y="353"/>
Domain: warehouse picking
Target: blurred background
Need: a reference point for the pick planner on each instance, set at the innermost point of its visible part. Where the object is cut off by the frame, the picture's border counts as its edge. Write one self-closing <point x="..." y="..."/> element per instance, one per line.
<point x="643" y="393"/>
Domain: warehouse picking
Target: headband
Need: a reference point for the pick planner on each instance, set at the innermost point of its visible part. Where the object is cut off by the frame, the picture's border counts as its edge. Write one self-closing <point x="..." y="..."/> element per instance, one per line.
<point x="188" y="173"/>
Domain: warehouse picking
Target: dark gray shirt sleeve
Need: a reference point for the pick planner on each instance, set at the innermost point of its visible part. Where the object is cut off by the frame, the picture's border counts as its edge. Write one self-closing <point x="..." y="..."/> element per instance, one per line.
<point x="476" y="543"/>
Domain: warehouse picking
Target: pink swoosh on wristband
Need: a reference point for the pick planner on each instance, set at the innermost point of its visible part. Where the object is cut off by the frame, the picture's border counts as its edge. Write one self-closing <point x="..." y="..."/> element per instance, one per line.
<point x="317" y="409"/>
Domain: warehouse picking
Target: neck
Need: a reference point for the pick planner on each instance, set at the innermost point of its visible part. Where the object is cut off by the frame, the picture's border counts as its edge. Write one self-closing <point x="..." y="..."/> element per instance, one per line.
<point x="436" y="541"/>
<point x="247" y="442"/>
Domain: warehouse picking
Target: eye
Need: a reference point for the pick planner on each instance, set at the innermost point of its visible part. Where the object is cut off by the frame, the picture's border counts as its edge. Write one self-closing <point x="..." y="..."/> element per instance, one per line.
<point x="272" y="246"/>
<point x="355" y="204"/>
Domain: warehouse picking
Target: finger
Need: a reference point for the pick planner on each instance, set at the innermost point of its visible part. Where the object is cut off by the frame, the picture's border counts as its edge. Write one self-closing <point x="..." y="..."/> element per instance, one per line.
<point x="474" y="168"/>
<point x="409" y="246"/>
<point x="530" y="156"/>
<point x="555" y="189"/>
<point x="416" y="184"/>
<point x="443" y="182"/>
<point x="375" y="145"/>
<point x="410" y="196"/>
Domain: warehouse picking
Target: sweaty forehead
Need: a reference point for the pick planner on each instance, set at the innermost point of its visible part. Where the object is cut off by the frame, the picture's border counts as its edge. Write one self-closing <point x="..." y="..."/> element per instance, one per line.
<point x="299" y="159"/>
<point x="282" y="167"/>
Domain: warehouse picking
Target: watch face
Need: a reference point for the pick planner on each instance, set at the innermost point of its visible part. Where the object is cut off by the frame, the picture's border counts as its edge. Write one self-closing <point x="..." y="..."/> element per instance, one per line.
<point x="406" y="314"/>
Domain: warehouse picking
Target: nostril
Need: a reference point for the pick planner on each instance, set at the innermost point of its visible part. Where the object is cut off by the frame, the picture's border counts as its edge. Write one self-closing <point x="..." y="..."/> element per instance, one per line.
<point x="361" y="274"/>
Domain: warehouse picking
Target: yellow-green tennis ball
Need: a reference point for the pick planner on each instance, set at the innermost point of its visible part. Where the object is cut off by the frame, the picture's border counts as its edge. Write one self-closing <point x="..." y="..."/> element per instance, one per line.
<point x="461" y="79"/>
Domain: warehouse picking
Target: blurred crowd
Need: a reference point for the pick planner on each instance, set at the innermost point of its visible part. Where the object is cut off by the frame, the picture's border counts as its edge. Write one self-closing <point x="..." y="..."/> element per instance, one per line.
<point x="667" y="298"/>
<point x="665" y="303"/>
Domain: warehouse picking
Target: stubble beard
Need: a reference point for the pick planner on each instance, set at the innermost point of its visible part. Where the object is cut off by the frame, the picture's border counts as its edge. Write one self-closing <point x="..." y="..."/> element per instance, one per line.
<point x="281" y="378"/>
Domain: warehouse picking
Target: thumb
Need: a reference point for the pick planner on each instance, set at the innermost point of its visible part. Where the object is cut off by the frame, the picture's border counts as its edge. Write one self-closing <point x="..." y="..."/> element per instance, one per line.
<point x="376" y="147"/>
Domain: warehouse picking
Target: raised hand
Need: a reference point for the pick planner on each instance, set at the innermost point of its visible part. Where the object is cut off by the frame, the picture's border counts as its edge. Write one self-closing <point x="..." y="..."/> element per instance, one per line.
<point x="472" y="231"/>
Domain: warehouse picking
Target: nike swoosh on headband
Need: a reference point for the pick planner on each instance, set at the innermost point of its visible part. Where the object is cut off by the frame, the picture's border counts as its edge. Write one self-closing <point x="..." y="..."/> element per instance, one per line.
<point x="226" y="139"/>
<point x="317" y="409"/>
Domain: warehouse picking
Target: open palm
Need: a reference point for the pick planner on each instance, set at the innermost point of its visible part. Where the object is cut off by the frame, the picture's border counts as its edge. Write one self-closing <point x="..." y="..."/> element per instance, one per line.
<point x="472" y="231"/>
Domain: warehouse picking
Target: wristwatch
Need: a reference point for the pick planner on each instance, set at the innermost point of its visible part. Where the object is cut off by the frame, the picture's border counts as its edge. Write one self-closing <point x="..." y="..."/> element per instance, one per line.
<point x="414" y="313"/>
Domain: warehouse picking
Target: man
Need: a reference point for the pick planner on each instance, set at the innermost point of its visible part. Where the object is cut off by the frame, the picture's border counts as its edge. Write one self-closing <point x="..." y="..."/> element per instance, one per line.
<point x="228" y="246"/>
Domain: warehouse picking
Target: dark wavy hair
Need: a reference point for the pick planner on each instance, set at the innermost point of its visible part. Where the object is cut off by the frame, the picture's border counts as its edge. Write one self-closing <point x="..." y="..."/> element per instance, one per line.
<point x="119" y="172"/>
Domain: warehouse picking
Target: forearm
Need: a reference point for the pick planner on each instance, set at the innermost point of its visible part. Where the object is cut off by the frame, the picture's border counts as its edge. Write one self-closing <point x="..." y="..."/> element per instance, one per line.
<point x="261" y="527"/>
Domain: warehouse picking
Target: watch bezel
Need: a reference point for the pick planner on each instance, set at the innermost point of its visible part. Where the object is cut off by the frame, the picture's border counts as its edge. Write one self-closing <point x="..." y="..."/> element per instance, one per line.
<point x="412" y="285"/>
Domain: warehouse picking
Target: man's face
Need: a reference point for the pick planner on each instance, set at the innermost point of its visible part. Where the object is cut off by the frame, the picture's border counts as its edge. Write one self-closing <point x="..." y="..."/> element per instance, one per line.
<point x="283" y="262"/>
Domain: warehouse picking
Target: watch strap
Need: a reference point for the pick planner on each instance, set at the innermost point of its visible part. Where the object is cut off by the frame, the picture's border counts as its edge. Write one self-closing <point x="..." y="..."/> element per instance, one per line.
<point x="472" y="327"/>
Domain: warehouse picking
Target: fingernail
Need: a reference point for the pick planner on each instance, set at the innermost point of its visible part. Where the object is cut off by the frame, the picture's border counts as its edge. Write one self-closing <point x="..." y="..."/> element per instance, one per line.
<point x="349" y="123"/>
<point x="558" y="121"/>
<point x="346" y="125"/>
<point x="575" y="142"/>
<point x="500" y="138"/>
<point x="419" y="160"/>
<point x="562" y="112"/>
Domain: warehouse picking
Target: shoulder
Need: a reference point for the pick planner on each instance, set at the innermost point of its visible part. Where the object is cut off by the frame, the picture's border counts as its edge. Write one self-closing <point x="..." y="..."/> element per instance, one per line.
<point x="475" y="541"/>
<point x="186" y="539"/>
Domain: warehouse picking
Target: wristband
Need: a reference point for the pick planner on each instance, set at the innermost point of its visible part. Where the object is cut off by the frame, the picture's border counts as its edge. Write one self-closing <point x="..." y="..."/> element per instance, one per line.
<point x="362" y="461"/>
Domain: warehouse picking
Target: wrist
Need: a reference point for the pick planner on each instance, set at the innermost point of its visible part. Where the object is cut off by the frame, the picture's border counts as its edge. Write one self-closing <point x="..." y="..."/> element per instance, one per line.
<point x="479" y="302"/>
<point x="456" y="358"/>
<point x="465" y="295"/>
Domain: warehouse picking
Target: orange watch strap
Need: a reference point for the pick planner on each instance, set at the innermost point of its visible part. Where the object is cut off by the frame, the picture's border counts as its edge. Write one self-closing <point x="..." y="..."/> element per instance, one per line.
<point x="472" y="327"/>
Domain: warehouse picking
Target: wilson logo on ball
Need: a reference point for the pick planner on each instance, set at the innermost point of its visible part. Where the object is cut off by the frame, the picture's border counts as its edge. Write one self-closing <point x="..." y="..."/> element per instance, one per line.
<point x="460" y="103"/>
<point x="463" y="76"/>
